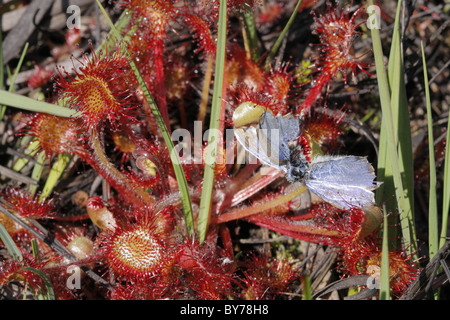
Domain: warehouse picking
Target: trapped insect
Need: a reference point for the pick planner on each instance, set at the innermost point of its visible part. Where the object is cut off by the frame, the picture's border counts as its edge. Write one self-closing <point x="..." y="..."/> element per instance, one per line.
<point x="343" y="181"/>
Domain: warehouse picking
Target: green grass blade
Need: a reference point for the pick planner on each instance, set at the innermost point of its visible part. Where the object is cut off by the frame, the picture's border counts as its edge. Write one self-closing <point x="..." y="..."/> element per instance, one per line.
<point x="401" y="120"/>
<point x="251" y="34"/>
<point x="25" y="103"/>
<point x="307" y="290"/>
<point x="208" y="178"/>
<point x="178" y="169"/>
<point x="392" y="159"/>
<point x="36" y="174"/>
<point x="10" y="244"/>
<point x="54" y="175"/>
<point x="446" y="189"/>
<point x="433" y="229"/>
<point x="273" y="51"/>
<point x="31" y="151"/>
<point x="18" y="67"/>
<point x="385" y="290"/>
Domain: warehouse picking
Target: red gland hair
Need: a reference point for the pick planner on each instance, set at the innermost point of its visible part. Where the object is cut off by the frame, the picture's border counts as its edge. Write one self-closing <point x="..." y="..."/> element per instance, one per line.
<point x="324" y="127"/>
<point x="100" y="89"/>
<point x="206" y="269"/>
<point x="27" y="205"/>
<point x="138" y="250"/>
<point x="337" y="32"/>
<point x="265" y="278"/>
<point x="202" y="33"/>
<point x="157" y="14"/>
<point x="55" y="135"/>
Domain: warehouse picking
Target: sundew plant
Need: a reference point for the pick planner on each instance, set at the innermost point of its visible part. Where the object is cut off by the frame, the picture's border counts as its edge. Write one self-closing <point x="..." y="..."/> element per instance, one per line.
<point x="128" y="166"/>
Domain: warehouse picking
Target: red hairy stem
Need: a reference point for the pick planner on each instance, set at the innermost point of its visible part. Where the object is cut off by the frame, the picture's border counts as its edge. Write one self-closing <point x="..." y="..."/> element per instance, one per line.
<point x="246" y="212"/>
<point x="117" y="179"/>
<point x="71" y="218"/>
<point x="314" y="93"/>
<point x="301" y="230"/>
<point x="249" y="187"/>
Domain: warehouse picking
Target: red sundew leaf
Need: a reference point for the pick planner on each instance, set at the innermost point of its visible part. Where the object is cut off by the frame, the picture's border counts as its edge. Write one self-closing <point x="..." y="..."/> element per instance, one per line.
<point x="251" y="189"/>
<point x="56" y="135"/>
<point x="139" y="250"/>
<point x="99" y="89"/>
<point x="206" y="268"/>
<point x="337" y="31"/>
<point x="39" y="77"/>
<point x="27" y="205"/>
<point x="265" y="277"/>
<point x="202" y="33"/>
<point x="279" y="85"/>
<point x="302" y="230"/>
<point x="324" y="126"/>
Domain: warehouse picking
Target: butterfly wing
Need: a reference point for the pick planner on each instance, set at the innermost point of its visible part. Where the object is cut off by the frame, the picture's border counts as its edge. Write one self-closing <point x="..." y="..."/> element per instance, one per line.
<point x="256" y="143"/>
<point x="343" y="181"/>
<point x="280" y="131"/>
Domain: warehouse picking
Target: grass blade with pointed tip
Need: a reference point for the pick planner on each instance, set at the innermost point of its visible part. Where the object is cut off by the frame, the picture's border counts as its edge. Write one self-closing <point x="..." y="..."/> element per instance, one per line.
<point x="433" y="229"/>
<point x="208" y="177"/>
<point x="385" y="287"/>
<point x="13" y="78"/>
<point x="273" y="51"/>
<point x="446" y="189"/>
<point x="10" y="244"/>
<point x="25" y="103"/>
<point x="401" y="117"/>
<point x="390" y="155"/>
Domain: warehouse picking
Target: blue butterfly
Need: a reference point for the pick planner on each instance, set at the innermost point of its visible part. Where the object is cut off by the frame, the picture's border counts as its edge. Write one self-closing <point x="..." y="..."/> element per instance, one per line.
<point x="343" y="181"/>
